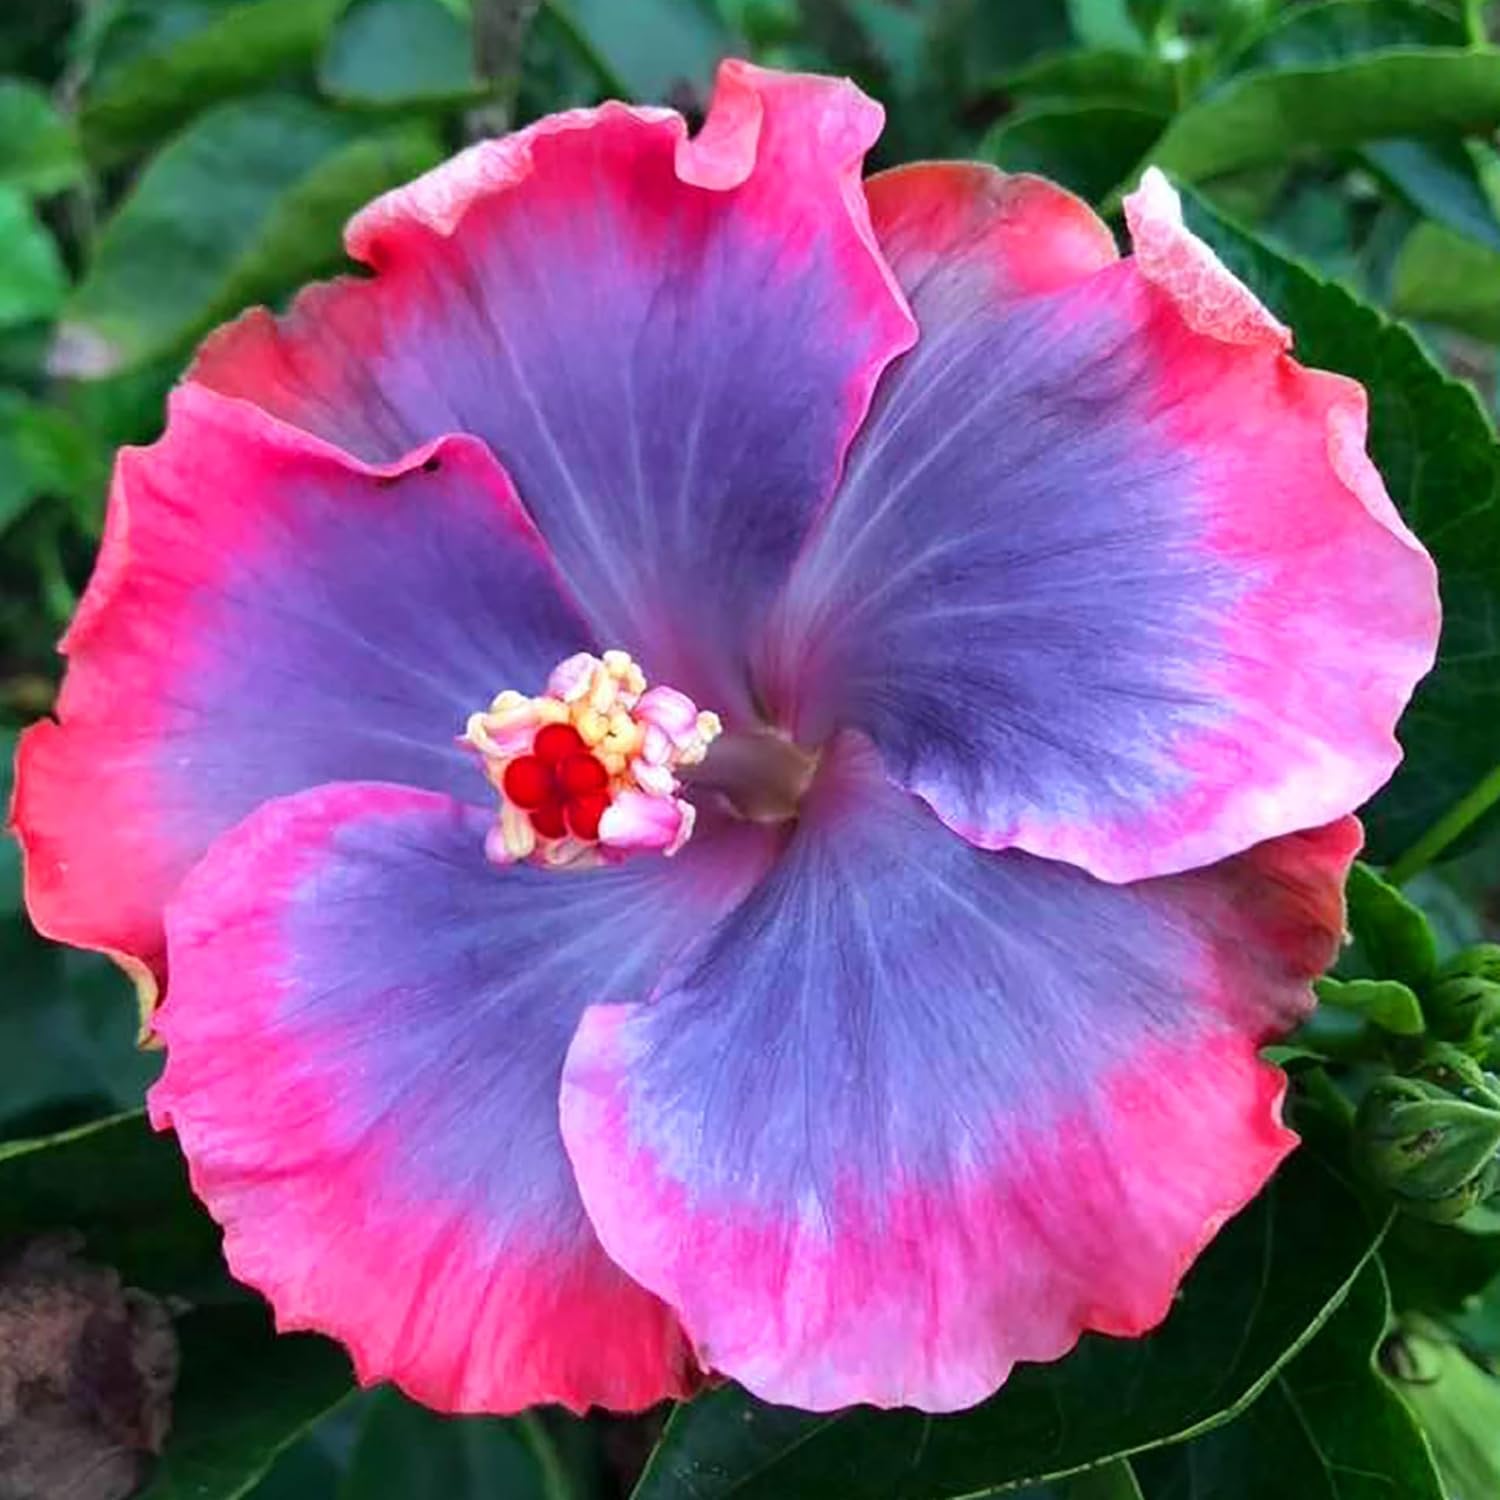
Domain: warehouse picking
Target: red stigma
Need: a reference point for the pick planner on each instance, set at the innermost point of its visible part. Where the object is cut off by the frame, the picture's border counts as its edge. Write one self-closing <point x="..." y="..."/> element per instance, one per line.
<point x="560" y="786"/>
<point x="528" y="782"/>
<point x="584" y="814"/>
<point x="548" y="820"/>
<point x="579" y="775"/>
<point x="555" y="742"/>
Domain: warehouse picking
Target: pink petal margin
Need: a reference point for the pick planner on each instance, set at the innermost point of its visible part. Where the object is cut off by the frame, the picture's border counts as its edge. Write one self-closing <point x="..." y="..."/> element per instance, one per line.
<point x="927" y="1288"/>
<point x="102" y="805"/>
<point x="1218" y="305"/>
<point x="1211" y="300"/>
<point x="279" y="366"/>
<point x="1323" y="748"/>
<point x="343" y="1232"/>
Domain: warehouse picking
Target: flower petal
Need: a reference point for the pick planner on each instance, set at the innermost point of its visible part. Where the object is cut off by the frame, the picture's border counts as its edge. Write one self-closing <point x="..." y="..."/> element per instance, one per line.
<point x="266" y="615"/>
<point x="1110" y="578"/>
<point x="364" y="1036"/>
<point x="922" y="1110"/>
<point x="668" y="342"/>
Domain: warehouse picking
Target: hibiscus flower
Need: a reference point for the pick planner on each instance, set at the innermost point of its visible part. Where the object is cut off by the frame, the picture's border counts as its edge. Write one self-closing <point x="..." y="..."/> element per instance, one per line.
<point x="727" y="767"/>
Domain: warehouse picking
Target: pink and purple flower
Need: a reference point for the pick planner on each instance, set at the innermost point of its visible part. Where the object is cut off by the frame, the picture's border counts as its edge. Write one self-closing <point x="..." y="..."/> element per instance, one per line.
<point x="727" y="767"/>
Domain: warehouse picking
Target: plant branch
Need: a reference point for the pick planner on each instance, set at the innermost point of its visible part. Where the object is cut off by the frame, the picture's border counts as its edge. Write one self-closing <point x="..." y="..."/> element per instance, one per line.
<point x="499" y="37"/>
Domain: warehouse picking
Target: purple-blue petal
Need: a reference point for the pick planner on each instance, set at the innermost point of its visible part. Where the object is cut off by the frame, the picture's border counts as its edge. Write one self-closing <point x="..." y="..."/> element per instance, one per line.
<point x="267" y="615"/>
<point x="667" y="344"/>
<point x="921" y="1110"/>
<point x="365" y="1034"/>
<point x="1106" y="579"/>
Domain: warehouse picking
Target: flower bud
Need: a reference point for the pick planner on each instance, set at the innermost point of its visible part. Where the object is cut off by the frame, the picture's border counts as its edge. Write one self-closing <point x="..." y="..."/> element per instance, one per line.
<point x="1482" y="961"/>
<point x="1463" y="1006"/>
<point x="1436" y="1153"/>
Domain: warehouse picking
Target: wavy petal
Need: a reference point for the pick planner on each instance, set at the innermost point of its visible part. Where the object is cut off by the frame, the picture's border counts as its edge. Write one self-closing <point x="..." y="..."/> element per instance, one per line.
<point x="364" y="1037"/>
<point x="922" y="1110"/>
<point x="267" y="614"/>
<point x="668" y="342"/>
<point x="1110" y="577"/>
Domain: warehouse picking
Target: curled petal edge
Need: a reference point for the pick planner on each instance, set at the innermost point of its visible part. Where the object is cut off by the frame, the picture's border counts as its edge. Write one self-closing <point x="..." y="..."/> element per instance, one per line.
<point x="1215" y="303"/>
<point x="719" y="158"/>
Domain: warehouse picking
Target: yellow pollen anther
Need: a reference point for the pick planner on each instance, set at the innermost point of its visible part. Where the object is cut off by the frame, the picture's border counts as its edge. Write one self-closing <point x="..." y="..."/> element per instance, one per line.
<point x="615" y="789"/>
<point x="591" y="724"/>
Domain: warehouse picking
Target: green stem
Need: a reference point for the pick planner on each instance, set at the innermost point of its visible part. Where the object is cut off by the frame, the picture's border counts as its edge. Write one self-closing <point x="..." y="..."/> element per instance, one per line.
<point x="1474" y="22"/>
<point x="1321" y="1091"/>
<point x="1459" y="818"/>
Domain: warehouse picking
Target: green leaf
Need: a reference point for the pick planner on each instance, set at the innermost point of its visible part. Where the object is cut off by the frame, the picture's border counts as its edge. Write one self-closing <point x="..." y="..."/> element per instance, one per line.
<point x="247" y="203"/>
<point x="1438" y="177"/>
<point x="558" y="71"/>
<point x="1330" y="1427"/>
<point x="45" y="450"/>
<point x="1447" y="278"/>
<point x="1086" y="147"/>
<point x="33" y="38"/>
<point x="1150" y="15"/>
<point x="652" y="50"/>
<point x="1457" y="920"/>
<point x="38" y="149"/>
<point x="976" y="43"/>
<point x="400" y="53"/>
<point x="1437" y="1268"/>
<point x="1478" y="1322"/>
<point x="1392" y="937"/>
<point x="313" y="1467"/>
<point x="158" y="62"/>
<point x="246" y="1394"/>
<point x="1333" y="32"/>
<point x="1441" y="180"/>
<point x="1457" y="1401"/>
<point x="891" y="34"/>
<point x="1266" y="117"/>
<point x="1135" y="80"/>
<point x="1105" y="23"/>
<point x="1260" y="1291"/>
<point x="64" y="460"/>
<point x="124" y="1187"/>
<point x="18" y="489"/>
<point x="1387" y="1002"/>
<point x="1457" y="896"/>
<point x="128" y="407"/>
<point x="406" y="1452"/>
<point x="1115" y="1481"/>
<point x="67" y="1036"/>
<point x="1441" y="463"/>
<point x="32" y="280"/>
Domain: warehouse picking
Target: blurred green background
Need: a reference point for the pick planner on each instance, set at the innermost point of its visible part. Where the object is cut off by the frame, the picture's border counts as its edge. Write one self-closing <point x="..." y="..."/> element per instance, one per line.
<point x="165" y="163"/>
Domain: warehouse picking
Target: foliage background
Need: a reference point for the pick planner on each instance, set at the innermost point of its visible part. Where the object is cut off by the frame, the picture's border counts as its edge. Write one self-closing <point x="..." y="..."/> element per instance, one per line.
<point x="164" y="163"/>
